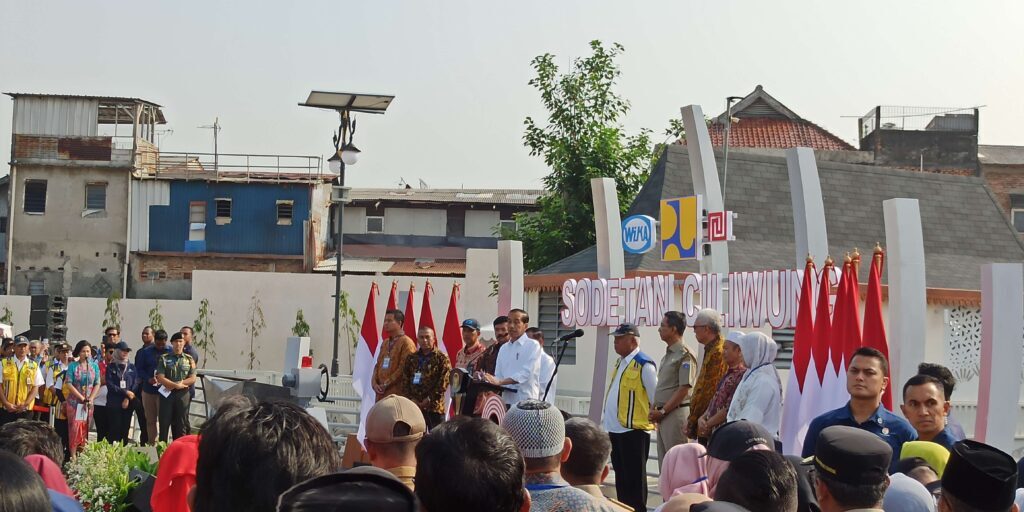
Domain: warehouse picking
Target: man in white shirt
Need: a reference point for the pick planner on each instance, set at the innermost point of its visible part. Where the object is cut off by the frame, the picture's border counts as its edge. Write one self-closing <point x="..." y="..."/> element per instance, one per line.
<point x="626" y="416"/>
<point x="547" y="368"/>
<point x="518" y="365"/>
<point x="19" y="385"/>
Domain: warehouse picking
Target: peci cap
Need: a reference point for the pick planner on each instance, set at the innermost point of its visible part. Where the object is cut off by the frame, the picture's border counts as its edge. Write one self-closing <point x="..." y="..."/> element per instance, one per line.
<point x="471" y="323"/>
<point x="122" y="346"/>
<point x="851" y="456"/>
<point x="737" y="437"/>
<point x="59" y="346"/>
<point x="536" y="427"/>
<point x="624" y="329"/>
<point x="717" y="506"/>
<point x="390" y="411"/>
<point x="981" y="476"/>
<point x="360" y="488"/>
<point x="20" y="340"/>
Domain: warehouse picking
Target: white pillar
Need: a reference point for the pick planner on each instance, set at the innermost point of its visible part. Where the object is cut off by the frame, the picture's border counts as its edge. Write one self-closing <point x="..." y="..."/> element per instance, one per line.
<point x="808" y="207"/>
<point x="610" y="264"/>
<point x="477" y="301"/>
<point x="907" y="300"/>
<point x="1002" y="325"/>
<point x="510" y="276"/>
<point x="705" y="181"/>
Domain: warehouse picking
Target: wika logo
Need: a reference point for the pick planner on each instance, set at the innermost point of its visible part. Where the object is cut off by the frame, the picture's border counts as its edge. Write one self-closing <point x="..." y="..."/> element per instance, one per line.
<point x="638" y="234"/>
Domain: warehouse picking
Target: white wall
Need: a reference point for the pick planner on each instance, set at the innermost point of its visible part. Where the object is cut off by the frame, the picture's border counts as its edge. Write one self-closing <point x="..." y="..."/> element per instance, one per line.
<point x="481" y="222"/>
<point x="415" y="221"/>
<point x="230" y="295"/>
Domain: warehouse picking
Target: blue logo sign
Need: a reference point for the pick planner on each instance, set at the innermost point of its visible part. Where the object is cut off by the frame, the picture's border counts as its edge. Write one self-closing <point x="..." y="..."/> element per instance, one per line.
<point x="638" y="234"/>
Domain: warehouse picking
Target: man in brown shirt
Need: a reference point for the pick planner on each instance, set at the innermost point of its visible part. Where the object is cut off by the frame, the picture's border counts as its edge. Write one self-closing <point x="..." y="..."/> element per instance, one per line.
<point x="489" y="360"/>
<point x="473" y="349"/>
<point x="387" y="373"/>
<point x="707" y="328"/>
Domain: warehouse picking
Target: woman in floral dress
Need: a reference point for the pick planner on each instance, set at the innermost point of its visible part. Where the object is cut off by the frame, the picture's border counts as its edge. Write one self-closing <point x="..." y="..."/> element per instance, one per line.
<point x="716" y="413"/>
<point x="83" y="384"/>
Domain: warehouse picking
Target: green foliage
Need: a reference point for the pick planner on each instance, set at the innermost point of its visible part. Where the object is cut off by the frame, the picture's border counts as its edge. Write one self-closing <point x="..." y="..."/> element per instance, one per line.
<point x="7" y="317"/>
<point x="301" y="328"/>
<point x="583" y="139"/>
<point x="99" y="475"/>
<point x="156" y="318"/>
<point x="493" y="281"/>
<point x="112" y="313"/>
<point x="202" y="329"/>
<point x="349" y="321"/>
<point x="254" y="325"/>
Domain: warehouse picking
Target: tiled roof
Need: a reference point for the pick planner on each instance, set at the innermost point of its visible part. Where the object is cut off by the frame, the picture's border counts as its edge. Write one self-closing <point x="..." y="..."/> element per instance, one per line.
<point x="447" y="196"/>
<point x="758" y="132"/>
<point x="963" y="227"/>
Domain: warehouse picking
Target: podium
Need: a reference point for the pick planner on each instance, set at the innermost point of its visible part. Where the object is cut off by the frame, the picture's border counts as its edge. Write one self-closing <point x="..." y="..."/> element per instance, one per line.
<point x="467" y="392"/>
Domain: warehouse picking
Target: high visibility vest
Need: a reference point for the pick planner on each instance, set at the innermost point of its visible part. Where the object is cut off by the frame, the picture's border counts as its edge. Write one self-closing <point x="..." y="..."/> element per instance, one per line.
<point x="50" y="397"/>
<point x="19" y="383"/>
<point x="633" y="404"/>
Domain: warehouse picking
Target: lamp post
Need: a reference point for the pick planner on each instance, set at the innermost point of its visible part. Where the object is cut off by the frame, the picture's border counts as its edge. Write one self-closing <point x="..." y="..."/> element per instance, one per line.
<point x="345" y="153"/>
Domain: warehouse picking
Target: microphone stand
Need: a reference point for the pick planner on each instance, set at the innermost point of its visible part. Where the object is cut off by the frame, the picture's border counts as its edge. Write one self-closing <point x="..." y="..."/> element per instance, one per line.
<point x="561" y="352"/>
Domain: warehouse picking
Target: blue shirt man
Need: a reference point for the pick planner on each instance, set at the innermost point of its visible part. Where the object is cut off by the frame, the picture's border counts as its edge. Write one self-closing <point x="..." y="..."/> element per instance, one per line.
<point x="146" y="360"/>
<point x="866" y="379"/>
<point x="927" y="409"/>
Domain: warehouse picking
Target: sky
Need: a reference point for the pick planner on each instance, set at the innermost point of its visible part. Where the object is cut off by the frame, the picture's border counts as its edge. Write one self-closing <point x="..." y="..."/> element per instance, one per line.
<point x="459" y="69"/>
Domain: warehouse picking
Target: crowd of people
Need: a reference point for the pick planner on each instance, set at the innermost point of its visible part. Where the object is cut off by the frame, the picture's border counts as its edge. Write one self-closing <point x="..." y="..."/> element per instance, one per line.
<point x="716" y="427"/>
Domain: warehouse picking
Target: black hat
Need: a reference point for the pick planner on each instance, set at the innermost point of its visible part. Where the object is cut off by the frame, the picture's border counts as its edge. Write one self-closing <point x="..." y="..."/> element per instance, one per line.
<point x="717" y="506"/>
<point x="471" y="323"/>
<point x="624" y="329"/>
<point x="736" y="437"/>
<point x="851" y="456"/>
<point x="20" y="340"/>
<point x="980" y="476"/>
<point x="362" y="488"/>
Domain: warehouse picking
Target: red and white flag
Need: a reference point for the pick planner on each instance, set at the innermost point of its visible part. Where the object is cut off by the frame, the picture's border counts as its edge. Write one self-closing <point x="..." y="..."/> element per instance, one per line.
<point x="452" y="337"/>
<point x="874" y="328"/>
<point x="801" y="372"/>
<point x="410" y="315"/>
<point x="845" y="330"/>
<point x="392" y="304"/>
<point x="365" y="360"/>
<point x="426" y="314"/>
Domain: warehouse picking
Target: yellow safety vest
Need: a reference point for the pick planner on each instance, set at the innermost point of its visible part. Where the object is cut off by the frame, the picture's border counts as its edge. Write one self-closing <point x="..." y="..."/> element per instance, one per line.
<point x="17" y="384"/>
<point x="633" y="404"/>
<point x="50" y="394"/>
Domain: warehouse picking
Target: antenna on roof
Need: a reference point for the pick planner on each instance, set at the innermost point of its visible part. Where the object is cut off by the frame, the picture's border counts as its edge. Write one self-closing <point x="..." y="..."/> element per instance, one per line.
<point x="216" y="129"/>
<point x="423" y="184"/>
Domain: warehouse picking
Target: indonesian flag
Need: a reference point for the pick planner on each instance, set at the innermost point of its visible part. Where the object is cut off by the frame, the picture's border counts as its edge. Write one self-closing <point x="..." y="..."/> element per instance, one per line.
<point x="821" y="376"/>
<point x="392" y="304"/>
<point x="426" y="315"/>
<point x="452" y="337"/>
<point x="874" y="328"/>
<point x="800" y="373"/>
<point x="410" y="316"/>
<point x="846" y="328"/>
<point x="365" y="360"/>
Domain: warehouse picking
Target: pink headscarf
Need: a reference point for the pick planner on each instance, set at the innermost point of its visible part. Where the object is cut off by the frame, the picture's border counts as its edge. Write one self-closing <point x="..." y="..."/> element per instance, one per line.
<point x="52" y="476"/>
<point x="683" y="471"/>
<point x="718" y="466"/>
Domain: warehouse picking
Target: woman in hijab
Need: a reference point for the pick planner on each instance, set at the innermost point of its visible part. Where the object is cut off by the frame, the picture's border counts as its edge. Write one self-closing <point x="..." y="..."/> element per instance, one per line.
<point x="758" y="398"/>
<point x="907" y="495"/>
<point x="683" y="471"/>
<point x="935" y="454"/>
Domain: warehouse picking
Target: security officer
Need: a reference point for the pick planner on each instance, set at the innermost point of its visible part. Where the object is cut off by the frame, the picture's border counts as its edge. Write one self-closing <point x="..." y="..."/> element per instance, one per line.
<point x="676" y="374"/>
<point x="175" y="372"/>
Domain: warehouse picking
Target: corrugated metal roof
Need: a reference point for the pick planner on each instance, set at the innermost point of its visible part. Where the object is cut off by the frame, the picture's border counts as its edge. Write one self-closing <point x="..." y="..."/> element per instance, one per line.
<point x="349" y="265"/>
<point x="433" y="268"/>
<point x="1001" y="155"/>
<point x="447" y="195"/>
<point x="83" y="96"/>
<point x="402" y="251"/>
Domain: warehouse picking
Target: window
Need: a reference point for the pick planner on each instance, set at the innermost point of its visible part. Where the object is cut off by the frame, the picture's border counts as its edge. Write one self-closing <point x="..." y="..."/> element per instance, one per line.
<point x="1018" y="219"/>
<point x="36" y="287"/>
<point x="35" y="196"/>
<point x="375" y="224"/>
<point x="506" y="226"/>
<point x="285" y="210"/>
<point x="223" y="211"/>
<point x="95" y="196"/>
<point x="3" y="225"/>
<point x="197" y="221"/>
<point x="550" y="322"/>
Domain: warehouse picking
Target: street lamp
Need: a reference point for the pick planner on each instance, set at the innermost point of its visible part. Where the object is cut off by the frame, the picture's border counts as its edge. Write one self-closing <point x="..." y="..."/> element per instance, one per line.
<point x="345" y="153"/>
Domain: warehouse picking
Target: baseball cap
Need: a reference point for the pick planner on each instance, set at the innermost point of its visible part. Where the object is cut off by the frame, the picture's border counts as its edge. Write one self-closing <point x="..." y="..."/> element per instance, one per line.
<point x="122" y="346"/>
<point x="362" y="488"/>
<point x="624" y="329"/>
<point x="536" y="427"/>
<point x="852" y="456"/>
<point x="20" y="340"/>
<point x="736" y="437"/>
<point x="472" y="324"/>
<point x="981" y="476"/>
<point x="390" y="411"/>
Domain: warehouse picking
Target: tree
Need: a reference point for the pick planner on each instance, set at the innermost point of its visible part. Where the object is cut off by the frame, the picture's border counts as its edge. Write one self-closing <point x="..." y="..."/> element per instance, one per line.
<point x="583" y="139"/>
<point x="112" y="313"/>
<point x="202" y="330"/>
<point x="254" y="325"/>
<point x="7" y="317"/>
<point x="156" y="318"/>
<point x="350" y="323"/>
<point x="301" y="328"/>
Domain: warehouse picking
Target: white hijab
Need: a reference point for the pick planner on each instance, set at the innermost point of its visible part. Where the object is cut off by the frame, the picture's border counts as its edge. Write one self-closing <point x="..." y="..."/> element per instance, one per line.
<point x="758" y="351"/>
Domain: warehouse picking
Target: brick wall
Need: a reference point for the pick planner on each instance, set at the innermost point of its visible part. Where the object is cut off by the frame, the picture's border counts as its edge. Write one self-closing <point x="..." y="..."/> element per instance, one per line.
<point x="168" y="276"/>
<point x="1004" y="180"/>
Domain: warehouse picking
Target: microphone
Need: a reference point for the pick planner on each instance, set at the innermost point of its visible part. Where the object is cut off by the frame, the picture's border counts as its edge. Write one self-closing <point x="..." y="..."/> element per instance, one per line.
<point x="575" y="334"/>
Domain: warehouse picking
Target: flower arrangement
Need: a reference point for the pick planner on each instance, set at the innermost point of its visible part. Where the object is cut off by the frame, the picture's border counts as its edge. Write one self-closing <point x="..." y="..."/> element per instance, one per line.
<point x="100" y="475"/>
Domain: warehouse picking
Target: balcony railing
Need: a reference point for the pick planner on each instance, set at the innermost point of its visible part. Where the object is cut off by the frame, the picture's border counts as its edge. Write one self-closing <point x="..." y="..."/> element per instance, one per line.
<point x="157" y="164"/>
<point x="889" y="117"/>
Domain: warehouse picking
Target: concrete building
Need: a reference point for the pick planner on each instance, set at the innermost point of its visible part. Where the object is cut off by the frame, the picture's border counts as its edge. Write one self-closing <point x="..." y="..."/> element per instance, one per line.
<point x="72" y="159"/>
<point x="408" y="231"/>
<point x="1002" y="168"/>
